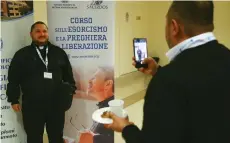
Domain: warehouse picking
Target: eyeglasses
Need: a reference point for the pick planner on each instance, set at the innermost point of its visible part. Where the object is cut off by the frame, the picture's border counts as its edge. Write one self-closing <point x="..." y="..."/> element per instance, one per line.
<point x="92" y="128"/>
<point x="72" y="123"/>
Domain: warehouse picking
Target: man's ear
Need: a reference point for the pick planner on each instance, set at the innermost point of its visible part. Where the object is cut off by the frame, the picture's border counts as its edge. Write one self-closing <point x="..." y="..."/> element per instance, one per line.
<point x="108" y="85"/>
<point x="175" y="27"/>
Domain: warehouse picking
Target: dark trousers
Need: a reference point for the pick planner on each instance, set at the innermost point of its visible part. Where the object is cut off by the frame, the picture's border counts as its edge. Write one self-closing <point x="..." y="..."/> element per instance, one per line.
<point x="36" y="118"/>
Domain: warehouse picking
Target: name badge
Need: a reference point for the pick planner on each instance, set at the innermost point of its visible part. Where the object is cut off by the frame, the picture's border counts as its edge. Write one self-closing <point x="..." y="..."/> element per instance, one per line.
<point x="47" y="75"/>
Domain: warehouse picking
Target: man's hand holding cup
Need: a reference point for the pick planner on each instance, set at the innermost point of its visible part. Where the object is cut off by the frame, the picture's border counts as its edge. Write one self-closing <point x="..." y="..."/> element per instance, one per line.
<point x="120" y="121"/>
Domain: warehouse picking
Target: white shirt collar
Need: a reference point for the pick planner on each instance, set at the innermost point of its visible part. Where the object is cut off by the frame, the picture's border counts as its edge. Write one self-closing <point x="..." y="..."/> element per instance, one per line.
<point x="190" y="43"/>
<point x="41" y="47"/>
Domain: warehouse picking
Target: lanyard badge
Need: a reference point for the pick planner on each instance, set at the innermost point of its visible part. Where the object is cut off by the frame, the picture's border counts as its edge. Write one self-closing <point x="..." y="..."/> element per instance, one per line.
<point x="47" y="75"/>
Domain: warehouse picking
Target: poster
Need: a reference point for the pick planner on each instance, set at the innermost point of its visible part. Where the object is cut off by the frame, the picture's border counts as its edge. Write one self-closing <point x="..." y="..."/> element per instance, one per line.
<point x="86" y="31"/>
<point x="16" y="19"/>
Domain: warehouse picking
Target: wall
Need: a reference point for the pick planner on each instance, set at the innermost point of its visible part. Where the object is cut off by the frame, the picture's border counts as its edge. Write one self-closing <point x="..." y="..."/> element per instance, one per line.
<point x="40" y="11"/>
<point x="222" y="22"/>
<point x="158" y="46"/>
<point x="128" y="81"/>
<point x="127" y="30"/>
<point x="151" y="26"/>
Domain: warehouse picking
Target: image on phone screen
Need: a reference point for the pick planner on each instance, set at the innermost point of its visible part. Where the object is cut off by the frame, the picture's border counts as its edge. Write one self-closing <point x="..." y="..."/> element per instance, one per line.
<point x="140" y="49"/>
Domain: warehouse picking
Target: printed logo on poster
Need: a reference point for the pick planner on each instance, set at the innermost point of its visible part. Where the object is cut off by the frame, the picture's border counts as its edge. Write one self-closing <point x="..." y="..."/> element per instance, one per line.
<point x="97" y="4"/>
<point x="65" y="4"/>
<point x="64" y="1"/>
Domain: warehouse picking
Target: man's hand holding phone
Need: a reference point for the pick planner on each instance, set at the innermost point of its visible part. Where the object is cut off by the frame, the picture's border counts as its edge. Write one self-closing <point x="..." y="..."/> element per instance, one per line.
<point x="152" y="66"/>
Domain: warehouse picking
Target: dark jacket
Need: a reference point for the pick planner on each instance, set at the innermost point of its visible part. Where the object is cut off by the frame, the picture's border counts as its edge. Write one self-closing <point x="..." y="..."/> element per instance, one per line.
<point x="26" y="75"/>
<point x="188" y="100"/>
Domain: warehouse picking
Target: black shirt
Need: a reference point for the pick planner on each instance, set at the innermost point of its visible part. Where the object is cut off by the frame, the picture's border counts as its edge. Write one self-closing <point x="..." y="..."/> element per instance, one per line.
<point x="104" y="103"/>
<point x="42" y="51"/>
<point x="26" y="74"/>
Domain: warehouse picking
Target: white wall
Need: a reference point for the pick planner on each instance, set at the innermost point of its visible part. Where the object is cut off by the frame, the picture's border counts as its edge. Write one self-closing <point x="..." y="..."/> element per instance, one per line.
<point x="222" y="22"/>
<point x="127" y="30"/>
<point x="40" y="11"/>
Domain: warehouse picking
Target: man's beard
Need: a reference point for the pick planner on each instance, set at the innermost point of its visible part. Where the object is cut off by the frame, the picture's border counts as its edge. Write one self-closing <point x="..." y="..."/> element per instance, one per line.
<point x="40" y="43"/>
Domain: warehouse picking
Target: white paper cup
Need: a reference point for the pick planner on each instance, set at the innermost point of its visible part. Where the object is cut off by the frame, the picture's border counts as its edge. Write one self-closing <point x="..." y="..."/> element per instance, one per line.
<point x="116" y="106"/>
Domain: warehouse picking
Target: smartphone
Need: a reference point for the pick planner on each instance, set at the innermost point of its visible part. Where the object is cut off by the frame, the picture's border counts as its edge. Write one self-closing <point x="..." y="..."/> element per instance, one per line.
<point x="140" y="51"/>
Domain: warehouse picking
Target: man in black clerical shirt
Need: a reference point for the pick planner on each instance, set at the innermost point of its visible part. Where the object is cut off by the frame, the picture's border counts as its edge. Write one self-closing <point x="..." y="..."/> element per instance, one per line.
<point x="43" y="73"/>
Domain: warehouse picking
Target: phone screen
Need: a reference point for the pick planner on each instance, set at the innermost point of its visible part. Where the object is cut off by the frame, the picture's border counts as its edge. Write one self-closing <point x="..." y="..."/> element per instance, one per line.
<point x="140" y="49"/>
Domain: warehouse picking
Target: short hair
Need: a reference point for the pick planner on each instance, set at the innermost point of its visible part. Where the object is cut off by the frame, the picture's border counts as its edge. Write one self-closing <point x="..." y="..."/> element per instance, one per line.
<point x="109" y="73"/>
<point x="196" y="16"/>
<point x="38" y="22"/>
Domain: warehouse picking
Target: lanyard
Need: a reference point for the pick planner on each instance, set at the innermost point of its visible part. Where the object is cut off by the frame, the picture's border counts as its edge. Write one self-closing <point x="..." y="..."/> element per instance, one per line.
<point x="46" y="59"/>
